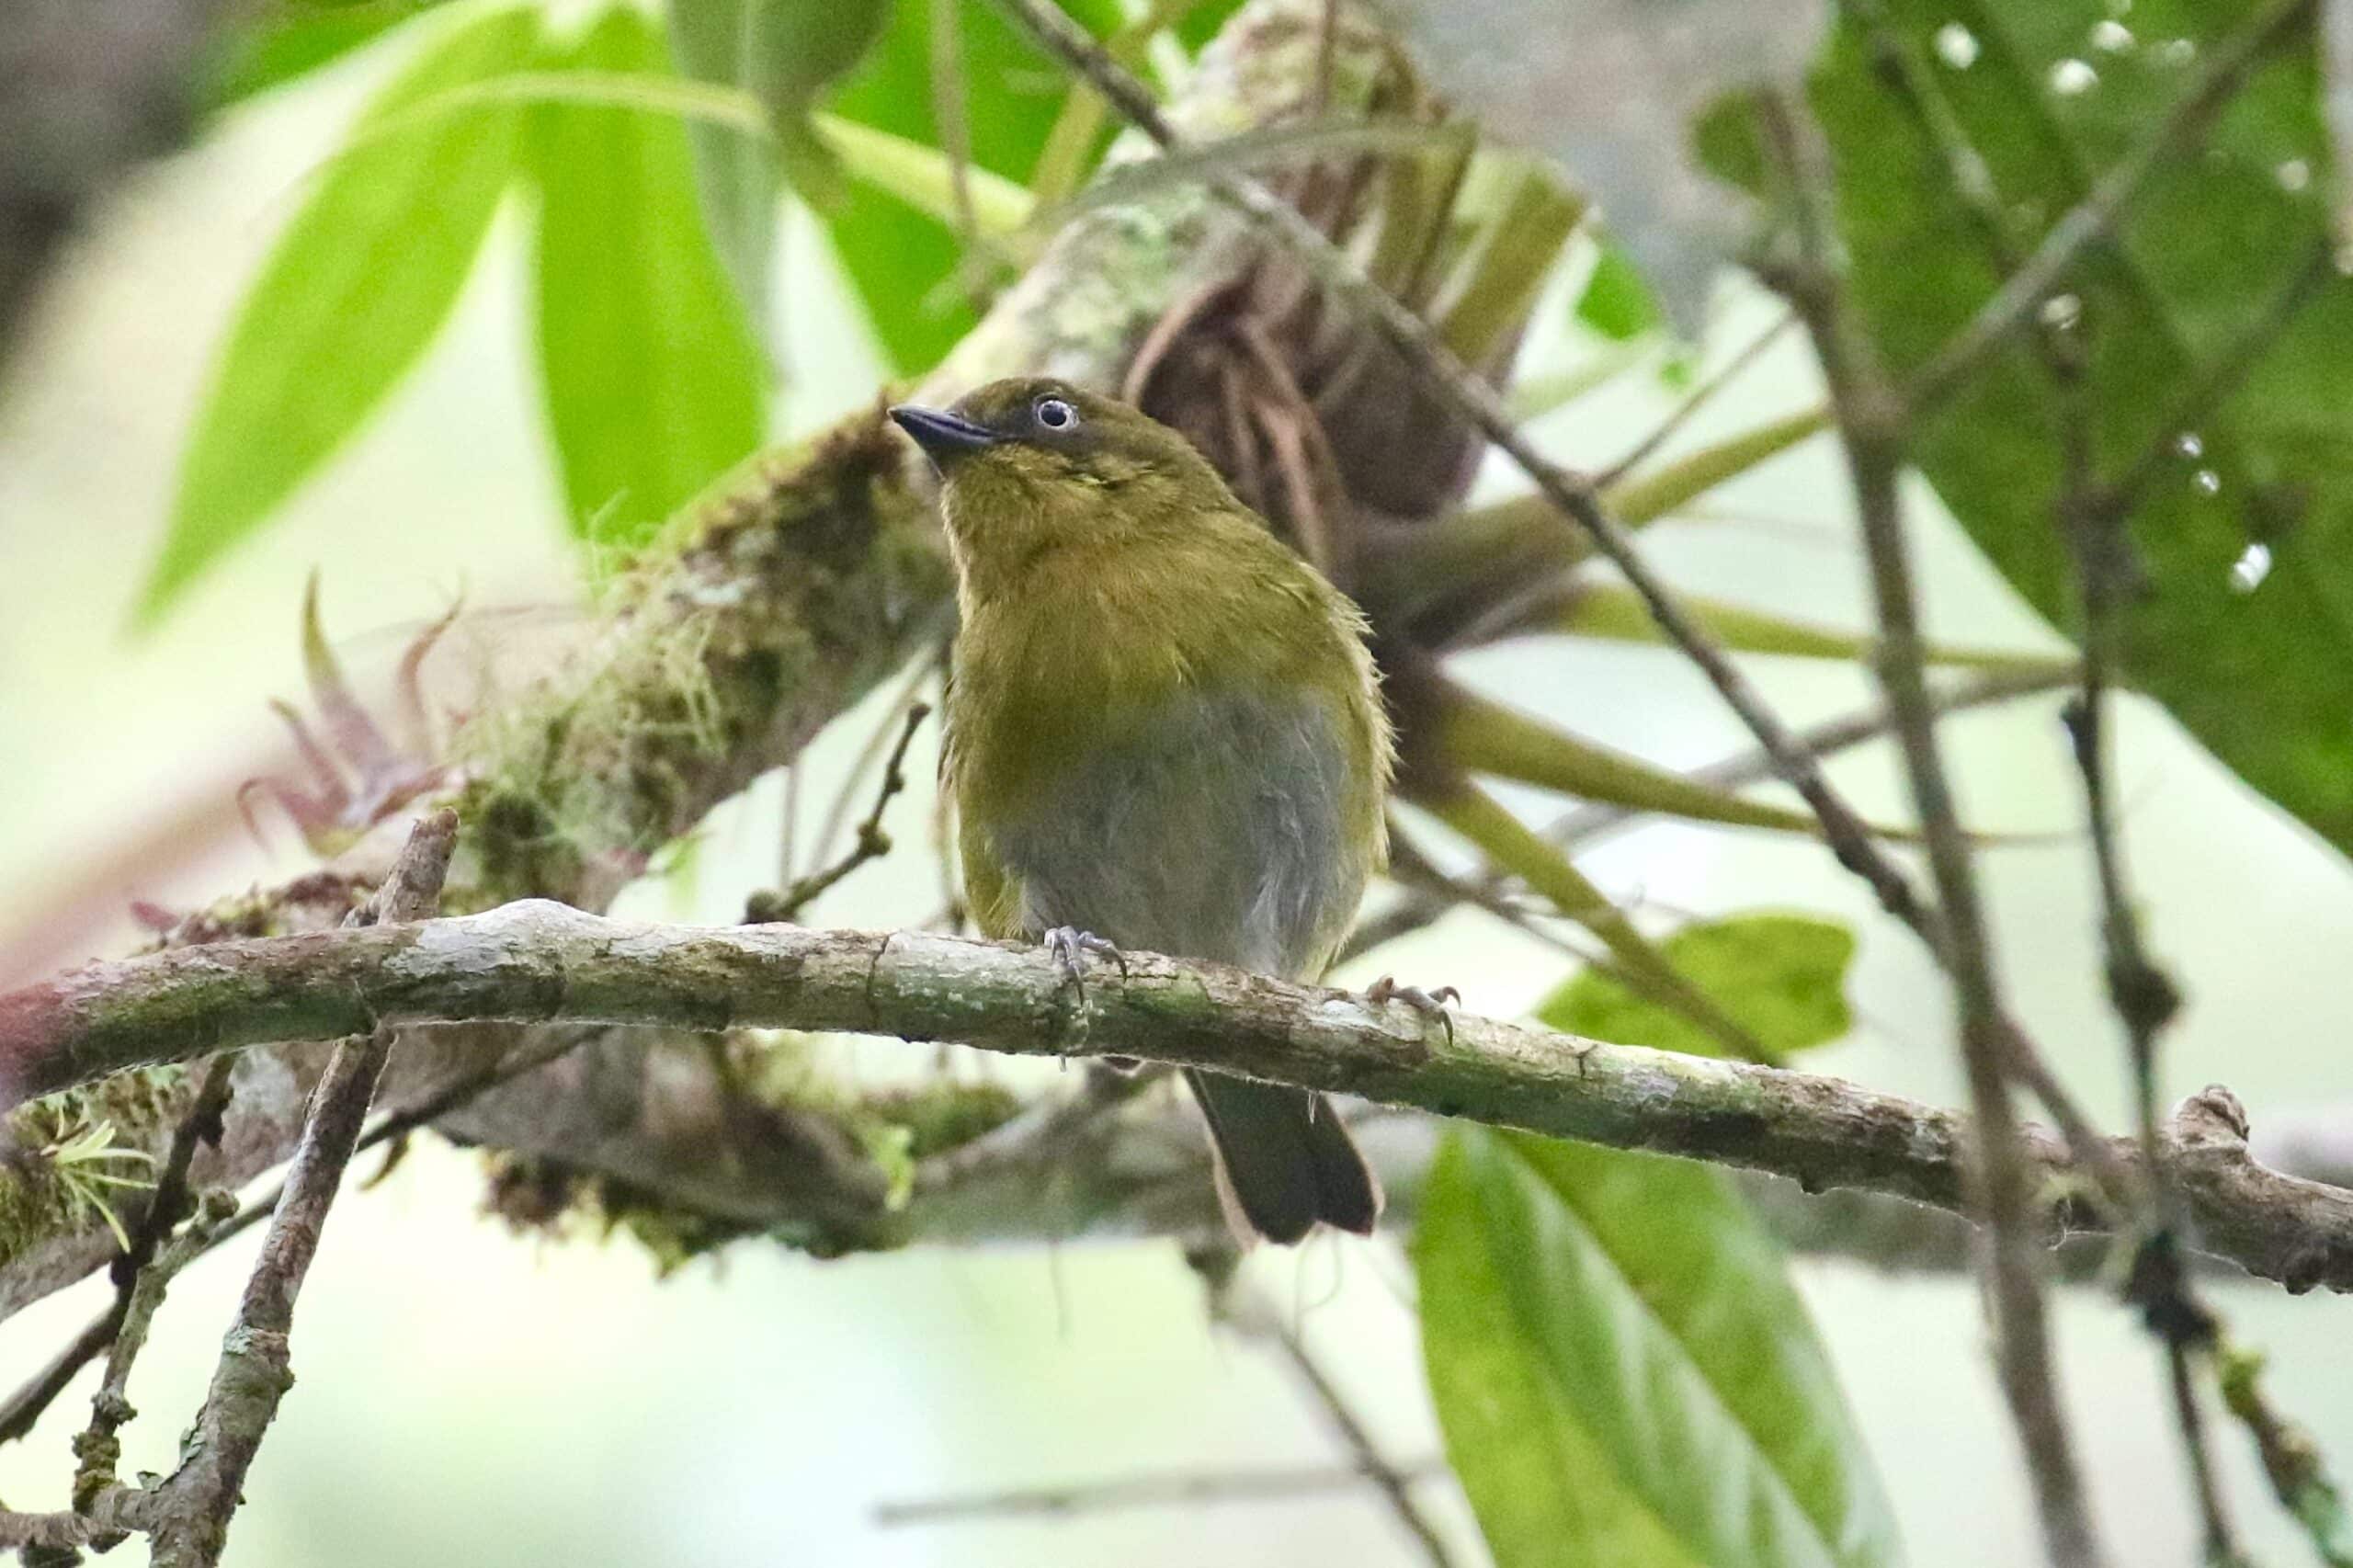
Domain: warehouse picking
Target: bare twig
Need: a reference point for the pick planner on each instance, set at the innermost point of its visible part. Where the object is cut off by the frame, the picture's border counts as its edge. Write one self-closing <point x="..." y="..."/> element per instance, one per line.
<point x="2094" y="218"/>
<point x="2093" y="525"/>
<point x="879" y="741"/>
<point x="871" y="843"/>
<point x="1396" y="1486"/>
<point x="2220" y="1546"/>
<point x="1692" y="404"/>
<point x="37" y="1393"/>
<point x="1871" y="422"/>
<point x="1180" y="1489"/>
<point x="188" y="1515"/>
<point x="98" y="1450"/>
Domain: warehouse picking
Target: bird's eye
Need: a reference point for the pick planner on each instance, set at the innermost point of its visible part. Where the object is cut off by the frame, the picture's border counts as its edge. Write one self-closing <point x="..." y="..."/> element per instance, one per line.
<point x="1054" y="413"/>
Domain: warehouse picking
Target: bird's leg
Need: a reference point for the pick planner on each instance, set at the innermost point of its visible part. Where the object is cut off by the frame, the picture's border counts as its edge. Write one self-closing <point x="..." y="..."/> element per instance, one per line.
<point x="1069" y="947"/>
<point x="1428" y="1003"/>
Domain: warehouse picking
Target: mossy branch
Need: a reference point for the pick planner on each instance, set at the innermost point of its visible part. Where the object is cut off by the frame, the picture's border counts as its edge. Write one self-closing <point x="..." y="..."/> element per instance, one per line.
<point x="542" y="962"/>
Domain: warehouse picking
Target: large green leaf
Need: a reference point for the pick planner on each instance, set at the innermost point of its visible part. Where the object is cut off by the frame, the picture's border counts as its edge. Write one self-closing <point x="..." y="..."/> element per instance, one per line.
<point x="269" y="46"/>
<point x="898" y="260"/>
<point x="785" y="52"/>
<point x="363" y="278"/>
<point x="653" y="383"/>
<point x="1624" y="1375"/>
<point x="2051" y="93"/>
<point x="1782" y="977"/>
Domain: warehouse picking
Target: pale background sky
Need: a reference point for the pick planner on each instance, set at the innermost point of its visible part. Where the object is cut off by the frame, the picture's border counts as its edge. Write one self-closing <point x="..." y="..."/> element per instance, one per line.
<point x="466" y="1397"/>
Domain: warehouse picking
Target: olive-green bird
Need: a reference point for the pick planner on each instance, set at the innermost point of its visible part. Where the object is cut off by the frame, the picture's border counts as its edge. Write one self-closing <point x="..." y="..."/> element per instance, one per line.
<point x="1164" y="732"/>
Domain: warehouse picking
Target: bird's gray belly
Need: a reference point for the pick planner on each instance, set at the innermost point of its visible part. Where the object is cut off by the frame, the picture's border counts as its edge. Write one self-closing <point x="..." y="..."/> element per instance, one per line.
<point x="1220" y="835"/>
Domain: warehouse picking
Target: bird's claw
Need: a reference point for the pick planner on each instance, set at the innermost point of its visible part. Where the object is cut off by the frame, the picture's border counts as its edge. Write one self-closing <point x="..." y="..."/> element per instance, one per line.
<point x="1428" y="1003"/>
<point x="1069" y="947"/>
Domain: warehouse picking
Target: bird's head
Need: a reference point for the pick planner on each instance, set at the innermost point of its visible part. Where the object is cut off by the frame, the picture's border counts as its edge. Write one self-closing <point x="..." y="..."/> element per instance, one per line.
<point x="1032" y="464"/>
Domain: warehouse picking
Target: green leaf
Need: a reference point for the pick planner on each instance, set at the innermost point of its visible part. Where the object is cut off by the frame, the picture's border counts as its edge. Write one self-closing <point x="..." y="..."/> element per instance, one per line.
<point x="924" y="177"/>
<point x="1624" y="1376"/>
<point x="357" y="286"/>
<point x="898" y="258"/>
<point x="1616" y="304"/>
<point x="2263" y="679"/>
<point x="1658" y="491"/>
<point x="653" y="383"/>
<point x="290" y="39"/>
<point x="785" y="52"/>
<point x="1782" y="977"/>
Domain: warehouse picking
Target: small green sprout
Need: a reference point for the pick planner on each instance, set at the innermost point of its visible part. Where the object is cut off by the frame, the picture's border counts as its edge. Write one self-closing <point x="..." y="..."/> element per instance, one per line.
<point x="81" y="1159"/>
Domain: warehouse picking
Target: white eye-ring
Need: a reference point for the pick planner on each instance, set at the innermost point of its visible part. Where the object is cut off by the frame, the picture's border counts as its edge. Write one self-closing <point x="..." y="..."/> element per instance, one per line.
<point x="1054" y="413"/>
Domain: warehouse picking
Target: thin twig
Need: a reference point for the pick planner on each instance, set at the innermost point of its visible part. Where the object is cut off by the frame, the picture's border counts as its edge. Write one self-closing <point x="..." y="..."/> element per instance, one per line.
<point x="2214" y="382"/>
<point x="1873" y="429"/>
<point x="1699" y="396"/>
<point x="2092" y="525"/>
<point x="1180" y="1489"/>
<point x="25" y="1406"/>
<point x="871" y="843"/>
<point x="2060" y="350"/>
<point x="1395" y="1485"/>
<point x="98" y="1450"/>
<point x="188" y="1515"/>
<point x="2094" y="218"/>
<point x="2291" y="1460"/>
<point x="877" y="741"/>
<point x="2220" y="1546"/>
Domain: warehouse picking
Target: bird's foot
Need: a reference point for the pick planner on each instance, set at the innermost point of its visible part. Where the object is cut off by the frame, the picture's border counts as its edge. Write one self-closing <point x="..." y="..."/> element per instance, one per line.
<point x="1069" y="947"/>
<point x="1428" y="1003"/>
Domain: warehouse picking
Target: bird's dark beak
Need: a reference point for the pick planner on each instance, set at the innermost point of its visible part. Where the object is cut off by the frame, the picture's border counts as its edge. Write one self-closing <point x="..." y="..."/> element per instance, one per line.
<point x="943" y="437"/>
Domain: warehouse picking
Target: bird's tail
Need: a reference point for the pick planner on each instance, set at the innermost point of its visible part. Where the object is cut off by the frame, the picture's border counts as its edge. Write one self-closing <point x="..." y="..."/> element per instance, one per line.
<point x="1283" y="1159"/>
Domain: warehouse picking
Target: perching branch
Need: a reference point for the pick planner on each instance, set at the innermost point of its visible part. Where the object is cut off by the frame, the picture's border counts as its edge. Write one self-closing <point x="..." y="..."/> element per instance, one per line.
<point x="542" y="962"/>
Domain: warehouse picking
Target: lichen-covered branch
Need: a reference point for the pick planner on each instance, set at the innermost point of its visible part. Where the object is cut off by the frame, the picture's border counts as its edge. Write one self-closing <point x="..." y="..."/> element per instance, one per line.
<point x="542" y="962"/>
<point x="768" y="610"/>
